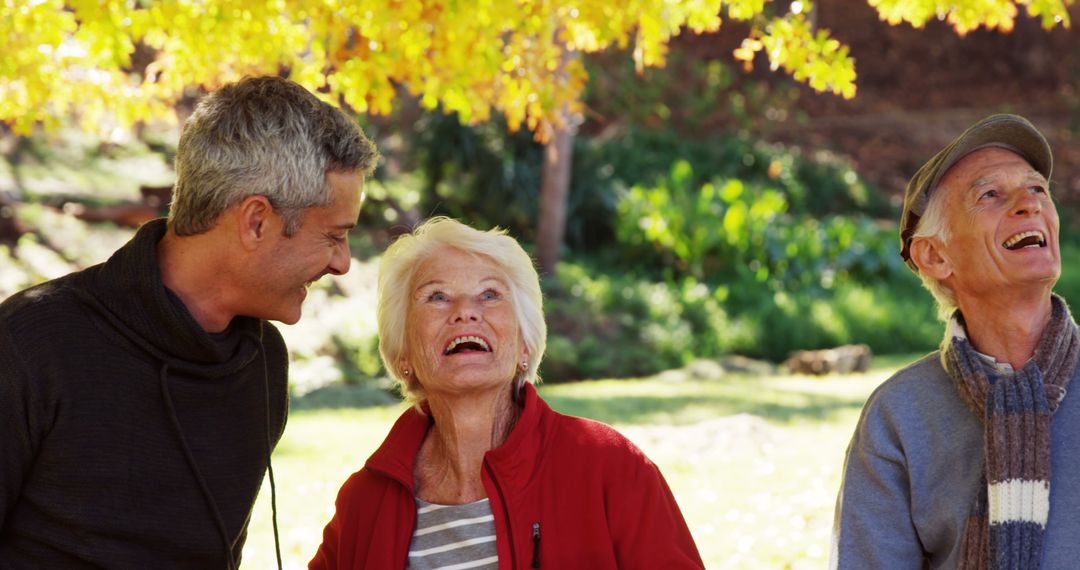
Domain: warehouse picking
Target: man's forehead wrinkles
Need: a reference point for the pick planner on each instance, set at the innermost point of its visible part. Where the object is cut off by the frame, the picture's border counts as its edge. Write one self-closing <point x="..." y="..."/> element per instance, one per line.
<point x="998" y="176"/>
<point x="983" y="181"/>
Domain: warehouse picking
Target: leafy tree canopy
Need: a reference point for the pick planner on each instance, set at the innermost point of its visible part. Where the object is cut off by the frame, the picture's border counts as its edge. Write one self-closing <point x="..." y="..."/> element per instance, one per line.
<point x="114" y="62"/>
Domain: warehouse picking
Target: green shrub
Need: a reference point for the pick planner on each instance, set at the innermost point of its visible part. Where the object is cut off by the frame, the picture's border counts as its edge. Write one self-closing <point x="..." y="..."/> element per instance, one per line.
<point x="731" y="231"/>
<point x="489" y="176"/>
<point x="819" y="184"/>
<point x="890" y="317"/>
<point x="608" y="324"/>
<point x="611" y="324"/>
<point x="740" y="272"/>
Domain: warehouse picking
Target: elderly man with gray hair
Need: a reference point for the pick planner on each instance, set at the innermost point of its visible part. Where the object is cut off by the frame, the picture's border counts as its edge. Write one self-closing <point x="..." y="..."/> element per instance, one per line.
<point x="965" y="458"/>
<point x="140" y="399"/>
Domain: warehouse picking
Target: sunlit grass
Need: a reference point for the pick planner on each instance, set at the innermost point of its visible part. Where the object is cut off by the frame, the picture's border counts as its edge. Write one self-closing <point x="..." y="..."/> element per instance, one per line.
<point x="753" y="461"/>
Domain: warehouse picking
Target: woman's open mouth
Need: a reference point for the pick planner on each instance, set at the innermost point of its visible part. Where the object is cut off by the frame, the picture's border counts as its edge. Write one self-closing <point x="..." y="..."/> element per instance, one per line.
<point x="466" y="343"/>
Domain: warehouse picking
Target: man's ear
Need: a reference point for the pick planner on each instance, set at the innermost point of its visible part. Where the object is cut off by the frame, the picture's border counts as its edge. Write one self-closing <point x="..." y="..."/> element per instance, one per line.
<point x="928" y="255"/>
<point x="255" y="221"/>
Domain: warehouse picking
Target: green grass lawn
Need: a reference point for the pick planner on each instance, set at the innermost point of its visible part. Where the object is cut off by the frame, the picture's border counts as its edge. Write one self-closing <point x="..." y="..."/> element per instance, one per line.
<point x="753" y="461"/>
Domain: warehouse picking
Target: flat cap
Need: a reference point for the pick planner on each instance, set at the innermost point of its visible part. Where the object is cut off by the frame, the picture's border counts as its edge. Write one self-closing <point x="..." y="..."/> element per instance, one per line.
<point x="1012" y="132"/>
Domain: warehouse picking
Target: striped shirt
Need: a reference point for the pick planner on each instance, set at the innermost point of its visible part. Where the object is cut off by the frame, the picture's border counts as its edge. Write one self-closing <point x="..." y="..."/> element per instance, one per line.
<point x="454" y="537"/>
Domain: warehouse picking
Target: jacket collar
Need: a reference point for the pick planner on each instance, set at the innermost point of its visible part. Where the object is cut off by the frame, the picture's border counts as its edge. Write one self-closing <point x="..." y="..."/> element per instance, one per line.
<point x="515" y="461"/>
<point x="128" y="292"/>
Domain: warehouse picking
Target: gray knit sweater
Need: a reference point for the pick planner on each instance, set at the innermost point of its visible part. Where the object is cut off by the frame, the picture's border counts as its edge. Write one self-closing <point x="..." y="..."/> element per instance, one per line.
<point x="912" y="472"/>
<point x="93" y="467"/>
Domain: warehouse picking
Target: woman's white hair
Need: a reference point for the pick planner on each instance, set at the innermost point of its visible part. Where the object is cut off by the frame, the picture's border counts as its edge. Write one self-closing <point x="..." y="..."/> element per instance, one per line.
<point x="397" y="271"/>
<point x="934" y="224"/>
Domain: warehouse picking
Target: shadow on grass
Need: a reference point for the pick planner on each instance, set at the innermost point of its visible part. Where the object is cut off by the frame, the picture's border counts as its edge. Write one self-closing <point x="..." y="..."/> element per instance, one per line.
<point x="775" y="406"/>
<point x="342" y="396"/>
<point x="777" y="399"/>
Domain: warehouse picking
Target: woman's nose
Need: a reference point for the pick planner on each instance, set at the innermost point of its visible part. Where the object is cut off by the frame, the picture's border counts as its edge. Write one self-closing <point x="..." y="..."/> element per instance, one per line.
<point x="465" y="310"/>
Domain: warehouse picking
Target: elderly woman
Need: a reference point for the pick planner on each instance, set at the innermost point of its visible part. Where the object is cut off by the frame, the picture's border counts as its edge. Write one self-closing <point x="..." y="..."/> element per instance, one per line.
<point x="480" y="472"/>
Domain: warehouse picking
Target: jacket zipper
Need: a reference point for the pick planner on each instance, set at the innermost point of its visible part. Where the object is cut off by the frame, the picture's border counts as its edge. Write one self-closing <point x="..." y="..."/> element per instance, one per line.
<point x="536" y="545"/>
<point x="506" y="513"/>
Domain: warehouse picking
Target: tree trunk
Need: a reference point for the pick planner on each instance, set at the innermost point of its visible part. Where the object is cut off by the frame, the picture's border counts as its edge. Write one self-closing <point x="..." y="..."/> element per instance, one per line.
<point x="554" y="190"/>
<point x="10" y="228"/>
<point x="555" y="181"/>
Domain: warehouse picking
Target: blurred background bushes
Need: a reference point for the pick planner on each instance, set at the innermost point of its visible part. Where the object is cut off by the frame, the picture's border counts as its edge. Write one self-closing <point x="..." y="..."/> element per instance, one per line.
<point x="687" y="237"/>
<point x="682" y="247"/>
<point x="678" y="248"/>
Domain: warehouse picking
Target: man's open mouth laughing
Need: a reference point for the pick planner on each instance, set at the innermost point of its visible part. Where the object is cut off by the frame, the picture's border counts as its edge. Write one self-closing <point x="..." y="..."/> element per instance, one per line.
<point x="1028" y="239"/>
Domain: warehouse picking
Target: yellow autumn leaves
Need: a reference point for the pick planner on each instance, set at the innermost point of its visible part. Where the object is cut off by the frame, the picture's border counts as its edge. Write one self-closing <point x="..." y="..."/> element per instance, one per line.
<point x="110" y="63"/>
<point x="966" y="15"/>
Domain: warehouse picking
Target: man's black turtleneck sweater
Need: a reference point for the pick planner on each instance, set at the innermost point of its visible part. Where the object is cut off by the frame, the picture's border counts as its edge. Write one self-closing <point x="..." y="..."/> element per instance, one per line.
<point x="130" y="437"/>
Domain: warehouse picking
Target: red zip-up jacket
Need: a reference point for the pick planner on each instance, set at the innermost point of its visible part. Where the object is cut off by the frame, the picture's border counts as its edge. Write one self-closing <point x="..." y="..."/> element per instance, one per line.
<point x="566" y="493"/>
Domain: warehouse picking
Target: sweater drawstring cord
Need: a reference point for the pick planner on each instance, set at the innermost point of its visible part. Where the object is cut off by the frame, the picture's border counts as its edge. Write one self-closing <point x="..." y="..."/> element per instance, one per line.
<point x="229" y="560"/>
<point x="536" y="544"/>
<point x="269" y="452"/>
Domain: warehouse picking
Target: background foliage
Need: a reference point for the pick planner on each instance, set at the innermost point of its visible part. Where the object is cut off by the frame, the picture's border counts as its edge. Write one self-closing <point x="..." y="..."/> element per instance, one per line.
<point x="718" y="210"/>
<point x="120" y="61"/>
<point x="711" y="252"/>
<point x="682" y="241"/>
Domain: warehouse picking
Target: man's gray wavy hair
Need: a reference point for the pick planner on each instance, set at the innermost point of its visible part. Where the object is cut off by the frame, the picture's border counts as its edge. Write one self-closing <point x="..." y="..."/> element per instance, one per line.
<point x="262" y="136"/>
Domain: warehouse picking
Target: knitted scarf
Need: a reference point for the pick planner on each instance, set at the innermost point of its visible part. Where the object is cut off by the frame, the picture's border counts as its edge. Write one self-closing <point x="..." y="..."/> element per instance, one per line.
<point x="1005" y="529"/>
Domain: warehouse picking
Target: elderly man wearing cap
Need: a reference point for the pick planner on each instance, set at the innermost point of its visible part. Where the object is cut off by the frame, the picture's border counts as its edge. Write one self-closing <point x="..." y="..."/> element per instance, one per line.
<point x="950" y="464"/>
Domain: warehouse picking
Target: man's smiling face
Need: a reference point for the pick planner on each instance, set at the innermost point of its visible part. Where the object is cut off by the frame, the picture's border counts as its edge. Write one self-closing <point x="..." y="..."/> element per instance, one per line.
<point x="318" y="248"/>
<point x="1003" y="225"/>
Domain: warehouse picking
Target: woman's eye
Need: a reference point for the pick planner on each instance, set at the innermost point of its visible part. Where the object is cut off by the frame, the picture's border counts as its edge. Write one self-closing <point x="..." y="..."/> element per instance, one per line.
<point x="989" y="194"/>
<point x="1038" y="189"/>
<point x="437" y="296"/>
<point x="490" y="295"/>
